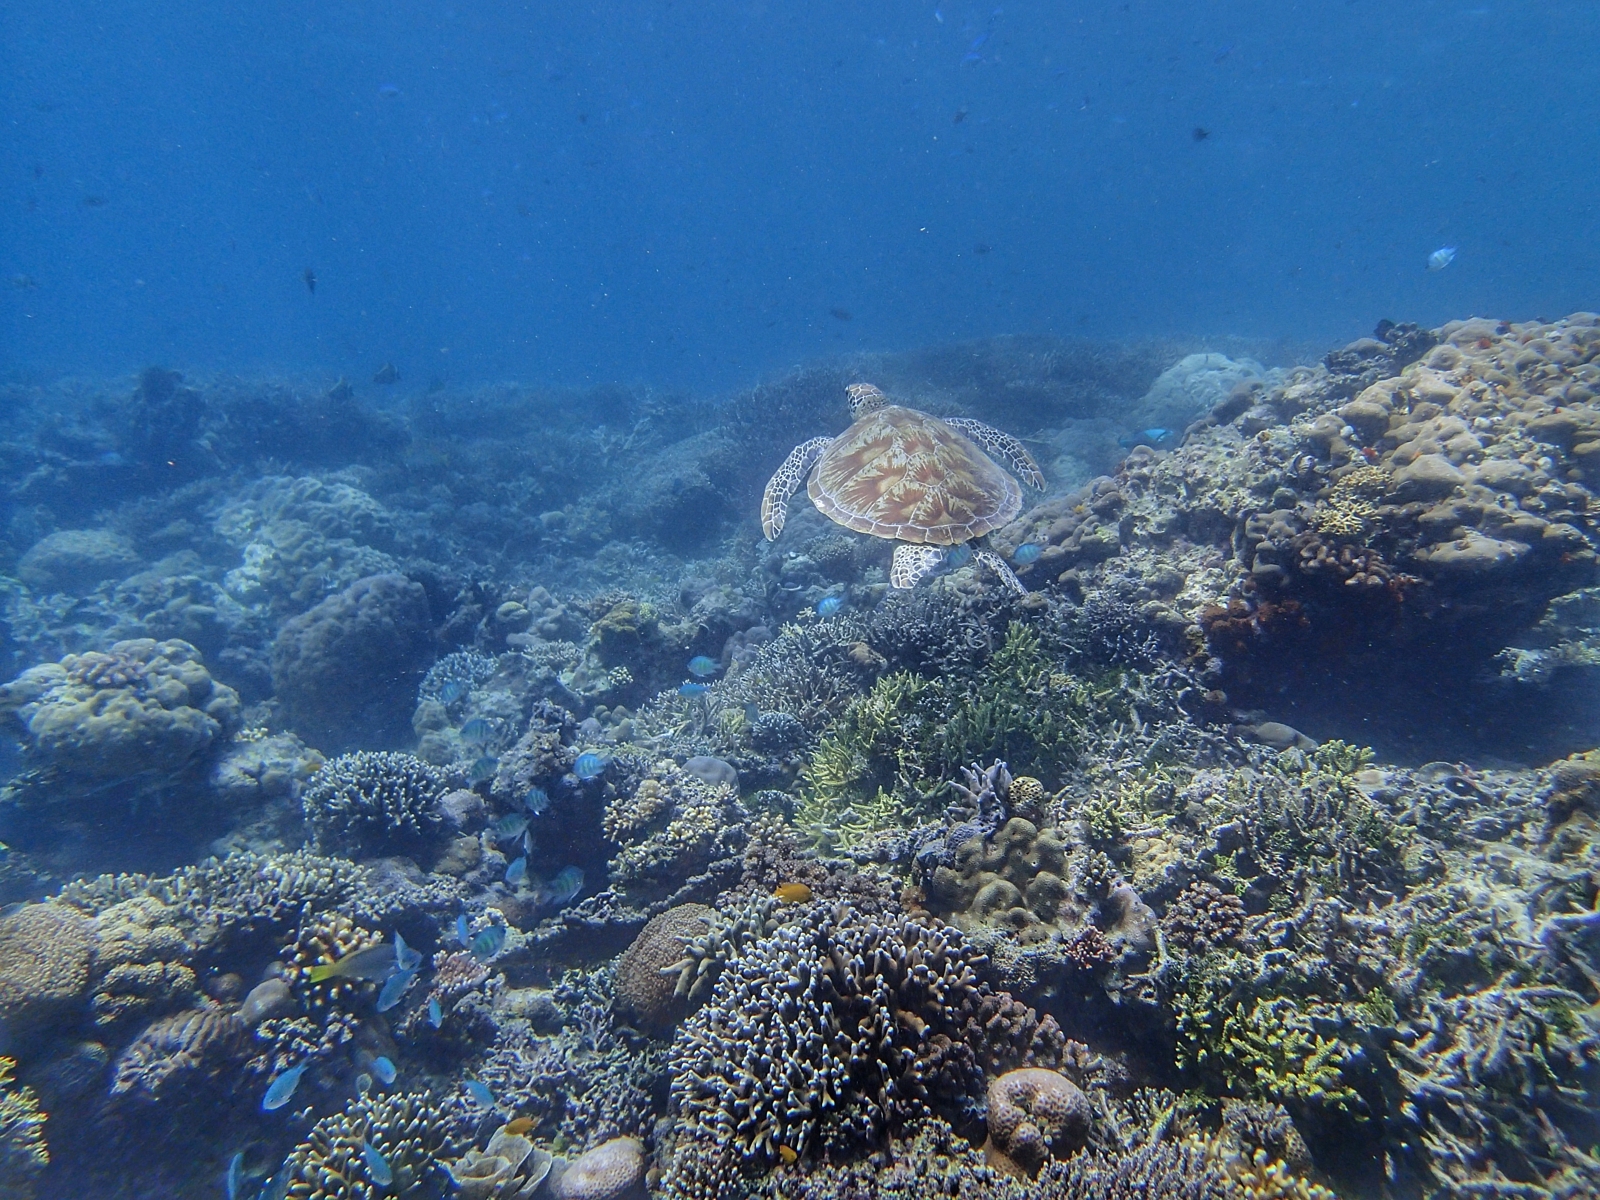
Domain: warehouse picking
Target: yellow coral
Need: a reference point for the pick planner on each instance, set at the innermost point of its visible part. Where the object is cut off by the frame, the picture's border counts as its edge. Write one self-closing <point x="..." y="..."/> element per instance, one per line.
<point x="23" y="1152"/>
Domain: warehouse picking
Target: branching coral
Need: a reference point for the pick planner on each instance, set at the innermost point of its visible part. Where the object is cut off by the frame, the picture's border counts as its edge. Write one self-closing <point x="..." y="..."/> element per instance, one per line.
<point x="23" y="1153"/>
<point x="830" y="1032"/>
<point x="410" y="1132"/>
<point x="371" y="801"/>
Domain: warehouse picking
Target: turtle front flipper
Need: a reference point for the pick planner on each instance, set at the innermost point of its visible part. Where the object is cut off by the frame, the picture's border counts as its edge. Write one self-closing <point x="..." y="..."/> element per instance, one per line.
<point x="912" y="562"/>
<point x="775" y="501"/>
<point x="998" y="565"/>
<point x="1002" y="444"/>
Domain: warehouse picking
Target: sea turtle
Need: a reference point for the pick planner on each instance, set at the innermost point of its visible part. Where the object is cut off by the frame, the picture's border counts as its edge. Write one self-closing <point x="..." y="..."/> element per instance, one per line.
<point x="921" y="481"/>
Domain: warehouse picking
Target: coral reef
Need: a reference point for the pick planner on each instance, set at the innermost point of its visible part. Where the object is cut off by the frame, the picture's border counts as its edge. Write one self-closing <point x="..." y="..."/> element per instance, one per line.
<point x="1033" y="1115"/>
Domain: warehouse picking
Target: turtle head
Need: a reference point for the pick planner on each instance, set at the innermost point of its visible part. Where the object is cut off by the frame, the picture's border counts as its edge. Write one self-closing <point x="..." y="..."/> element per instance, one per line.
<point x="864" y="398"/>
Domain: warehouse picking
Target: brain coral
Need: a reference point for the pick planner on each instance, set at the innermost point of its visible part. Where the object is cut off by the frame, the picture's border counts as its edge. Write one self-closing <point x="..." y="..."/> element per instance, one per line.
<point x="828" y="1033"/>
<point x="348" y="669"/>
<point x="1034" y="1114"/>
<point x="613" y="1170"/>
<point x="642" y="988"/>
<point x="45" y="954"/>
<point x="143" y="709"/>
<point x="372" y="801"/>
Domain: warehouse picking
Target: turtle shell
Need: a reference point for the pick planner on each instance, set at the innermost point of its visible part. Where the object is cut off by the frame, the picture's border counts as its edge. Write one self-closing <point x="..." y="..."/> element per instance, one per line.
<point x="899" y="473"/>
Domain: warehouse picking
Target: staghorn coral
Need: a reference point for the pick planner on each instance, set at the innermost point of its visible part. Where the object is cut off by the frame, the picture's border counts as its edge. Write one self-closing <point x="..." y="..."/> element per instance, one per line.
<point x="372" y="801"/>
<point x="587" y="1082"/>
<point x="841" y="1029"/>
<point x="413" y="1133"/>
<point x="646" y="986"/>
<point x="45" y="956"/>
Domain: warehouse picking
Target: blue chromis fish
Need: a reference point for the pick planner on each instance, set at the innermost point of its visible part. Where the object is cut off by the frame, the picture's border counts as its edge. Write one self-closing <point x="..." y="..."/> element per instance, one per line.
<point x="405" y="957"/>
<point x="958" y="557"/>
<point x="1145" y="437"/>
<point x="483" y="769"/>
<point x="589" y="766"/>
<point x="487" y="944"/>
<point x="1027" y="553"/>
<point x="476" y="732"/>
<point x="394" y="988"/>
<point x="692" y="690"/>
<point x="480" y="1093"/>
<point x="517" y="871"/>
<point x="752" y="711"/>
<point x="1441" y="258"/>
<point x="435" y="1012"/>
<point x="383" y="1068"/>
<point x="235" y="1175"/>
<point x="463" y="929"/>
<point x="282" y="1088"/>
<point x="377" y="1165"/>
<point x="702" y="666"/>
<point x="536" y="801"/>
<point x="508" y="827"/>
<point x="829" y="606"/>
<point x="374" y="963"/>
<point x="567" y="884"/>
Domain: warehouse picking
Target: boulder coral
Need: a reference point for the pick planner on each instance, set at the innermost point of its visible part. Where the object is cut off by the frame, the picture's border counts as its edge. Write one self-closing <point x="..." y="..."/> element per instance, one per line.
<point x="644" y="987"/>
<point x="347" y="670"/>
<point x="1034" y="1115"/>
<point x="46" y="951"/>
<point x="613" y="1170"/>
<point x="144" y="710"/>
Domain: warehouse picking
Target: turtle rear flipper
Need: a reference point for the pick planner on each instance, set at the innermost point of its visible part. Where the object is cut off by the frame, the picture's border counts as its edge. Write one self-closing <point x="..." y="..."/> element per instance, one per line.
<point x="911" y="562"/>
<point x="1001" y="443"/>
<point x="775" y="500"/>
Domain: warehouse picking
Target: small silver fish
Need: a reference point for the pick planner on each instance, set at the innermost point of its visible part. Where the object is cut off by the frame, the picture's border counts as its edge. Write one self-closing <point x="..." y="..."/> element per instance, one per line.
<point x="517" y="871"/>
<point x="394" y="989"/>
<point x="1441" y="258"/>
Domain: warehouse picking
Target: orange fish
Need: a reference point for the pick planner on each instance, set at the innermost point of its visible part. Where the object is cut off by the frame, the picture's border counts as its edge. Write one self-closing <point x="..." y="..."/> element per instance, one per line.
<point x="519" y="1125"/>
<point x="792" y="893"/>
<point x="787" y="1152"/>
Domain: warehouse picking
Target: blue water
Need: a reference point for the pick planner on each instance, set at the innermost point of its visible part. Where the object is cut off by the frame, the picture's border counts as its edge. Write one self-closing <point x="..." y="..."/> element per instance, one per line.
<point x="691" y="194"/>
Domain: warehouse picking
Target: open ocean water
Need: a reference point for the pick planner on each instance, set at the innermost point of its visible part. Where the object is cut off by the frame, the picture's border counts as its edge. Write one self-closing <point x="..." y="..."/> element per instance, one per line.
<point x="709" y="601"/>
